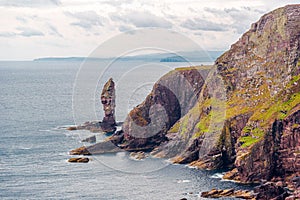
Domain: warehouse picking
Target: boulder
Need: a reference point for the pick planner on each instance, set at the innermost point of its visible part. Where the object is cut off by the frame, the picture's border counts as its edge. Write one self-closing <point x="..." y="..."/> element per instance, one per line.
<point x="71" y="128"/>
<point x="79" y="160"/>
<point x="107" y="146"/>
<point x="140" y="155"/>
<point x="270" y="190"/>
<point x="91" y="139"/>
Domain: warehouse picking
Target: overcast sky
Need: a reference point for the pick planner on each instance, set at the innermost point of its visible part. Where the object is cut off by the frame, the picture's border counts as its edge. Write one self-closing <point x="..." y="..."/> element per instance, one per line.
<point x="60" y="28"/>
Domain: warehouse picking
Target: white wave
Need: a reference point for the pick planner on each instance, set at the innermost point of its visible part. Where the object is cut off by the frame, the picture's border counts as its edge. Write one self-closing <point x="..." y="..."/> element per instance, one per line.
<point x="183" y="181"/>
<point x="47" y="130"/>
<point x="217" y="175"/>
<point x="25" y="148"/>
<point x="191" y="167"/>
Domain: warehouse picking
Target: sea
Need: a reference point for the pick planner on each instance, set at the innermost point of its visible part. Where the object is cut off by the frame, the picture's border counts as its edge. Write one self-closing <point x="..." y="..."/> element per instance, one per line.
<point x="39" y="99"/>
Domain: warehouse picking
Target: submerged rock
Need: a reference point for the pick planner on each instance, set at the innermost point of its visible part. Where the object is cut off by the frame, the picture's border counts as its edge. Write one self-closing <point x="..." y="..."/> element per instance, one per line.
<point x="91" y="139"/>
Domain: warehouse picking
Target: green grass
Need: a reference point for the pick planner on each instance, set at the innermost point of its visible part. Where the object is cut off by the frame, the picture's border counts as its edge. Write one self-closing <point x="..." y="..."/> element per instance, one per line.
<point x="211" y="122"/>
<point x="277" y="110"/>
<point x="184" y="124"/>
<point x="247" y="129"/>
<point x="175" y="128"/>
<point x="256" y="135"/>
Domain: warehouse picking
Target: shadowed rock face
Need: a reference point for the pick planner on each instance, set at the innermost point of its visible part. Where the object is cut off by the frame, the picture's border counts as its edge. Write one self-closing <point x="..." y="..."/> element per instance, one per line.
<point x="108" y="98"/>
<point x="170" y="99"/>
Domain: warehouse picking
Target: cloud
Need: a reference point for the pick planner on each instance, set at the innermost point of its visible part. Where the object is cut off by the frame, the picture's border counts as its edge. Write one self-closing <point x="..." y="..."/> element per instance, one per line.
<point x="21" y="19"/>
<point x="7" y="34"/>
<point x="234" y="15"/>
<point x="53" y="30"/>
<point x="29" y="32"/>
<point x="86" y="19"/>
<point x="25" y="32"/>
<point x="211" y="23"/>
<point x="142" y="20"/>
<point x="204" y="25"/>
<point x="124" y="28"/>
<point x="117" y="2"/>
<point x="29" y="3"/>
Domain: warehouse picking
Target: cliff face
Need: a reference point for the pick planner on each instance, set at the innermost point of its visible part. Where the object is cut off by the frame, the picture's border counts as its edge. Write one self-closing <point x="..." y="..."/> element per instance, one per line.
<point x="242" y="113"/>
<point x="265" y="55"/>
<point x="261" y="72"/>
<point x="259" y="135"/>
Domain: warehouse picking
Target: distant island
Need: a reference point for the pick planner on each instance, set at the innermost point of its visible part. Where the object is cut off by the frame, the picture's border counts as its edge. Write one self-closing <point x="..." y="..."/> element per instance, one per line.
<point x="61" y="59"/>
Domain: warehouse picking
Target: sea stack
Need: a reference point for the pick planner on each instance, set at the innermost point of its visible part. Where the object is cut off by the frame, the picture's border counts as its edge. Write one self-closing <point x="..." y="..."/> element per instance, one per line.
<point x="108" y="97"/>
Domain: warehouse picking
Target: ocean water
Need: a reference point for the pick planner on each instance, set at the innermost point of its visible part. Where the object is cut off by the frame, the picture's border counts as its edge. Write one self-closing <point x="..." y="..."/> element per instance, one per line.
<point x="36" y="101"/>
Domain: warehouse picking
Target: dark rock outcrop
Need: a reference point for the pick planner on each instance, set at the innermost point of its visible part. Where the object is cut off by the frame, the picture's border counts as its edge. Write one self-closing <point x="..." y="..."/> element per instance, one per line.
<point x="270" y="190"/>
<point x="107" y="146"/>
<point x="79" y="160"/>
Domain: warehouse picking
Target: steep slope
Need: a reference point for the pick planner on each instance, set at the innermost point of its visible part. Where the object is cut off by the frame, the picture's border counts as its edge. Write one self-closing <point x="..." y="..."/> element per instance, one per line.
<point x="262" y="72"/>
<point x="243" y="113"/>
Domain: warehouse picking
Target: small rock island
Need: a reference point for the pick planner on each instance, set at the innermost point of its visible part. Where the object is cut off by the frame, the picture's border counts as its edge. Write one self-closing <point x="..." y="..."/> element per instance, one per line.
<point x="108" y="124"/>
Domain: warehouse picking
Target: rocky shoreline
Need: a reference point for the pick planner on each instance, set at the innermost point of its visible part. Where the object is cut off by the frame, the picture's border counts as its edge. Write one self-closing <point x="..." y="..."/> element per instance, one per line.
<point x="250" y="125"/>
<point x="242" y="194"/>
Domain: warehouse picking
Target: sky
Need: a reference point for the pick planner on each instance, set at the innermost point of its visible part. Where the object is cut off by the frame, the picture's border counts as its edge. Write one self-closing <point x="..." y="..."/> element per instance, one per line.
<point x="63" y="28"/>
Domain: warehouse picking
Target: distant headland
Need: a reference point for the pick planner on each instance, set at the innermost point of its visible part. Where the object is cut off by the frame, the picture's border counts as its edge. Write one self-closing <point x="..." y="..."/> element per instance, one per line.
<point x="189" y="56"/>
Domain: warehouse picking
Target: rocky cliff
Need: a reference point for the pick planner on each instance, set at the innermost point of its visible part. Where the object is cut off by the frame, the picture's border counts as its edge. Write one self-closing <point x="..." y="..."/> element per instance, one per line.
<point x="259" y="139"/>
<point x="262" y="73"/>
<point x="170" y="99"/>
<point x="243" y="113"/>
